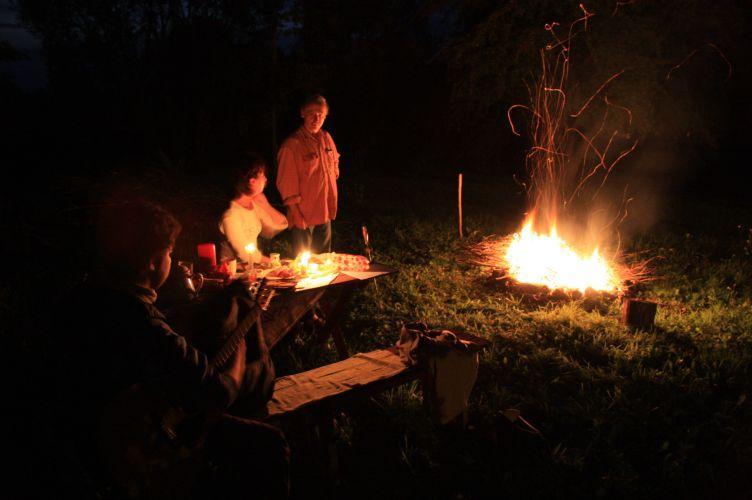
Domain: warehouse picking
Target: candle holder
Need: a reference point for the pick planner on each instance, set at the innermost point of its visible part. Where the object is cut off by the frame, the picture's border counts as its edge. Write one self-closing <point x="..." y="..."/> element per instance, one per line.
<point x="251" y="249"/>
<point x="274" y="260"/>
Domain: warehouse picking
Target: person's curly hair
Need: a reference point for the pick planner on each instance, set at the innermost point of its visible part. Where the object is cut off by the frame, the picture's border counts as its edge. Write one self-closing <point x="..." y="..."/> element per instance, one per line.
<point x="130" y="233"/>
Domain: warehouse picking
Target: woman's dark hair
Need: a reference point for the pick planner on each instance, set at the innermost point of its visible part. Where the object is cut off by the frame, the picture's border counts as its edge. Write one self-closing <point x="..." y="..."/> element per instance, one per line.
<point x="247" y="166"/>
<point x="131" y="233"/>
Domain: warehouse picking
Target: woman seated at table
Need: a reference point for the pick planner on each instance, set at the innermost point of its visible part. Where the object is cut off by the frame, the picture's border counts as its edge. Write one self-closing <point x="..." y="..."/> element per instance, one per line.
<point x="249" y="214"/>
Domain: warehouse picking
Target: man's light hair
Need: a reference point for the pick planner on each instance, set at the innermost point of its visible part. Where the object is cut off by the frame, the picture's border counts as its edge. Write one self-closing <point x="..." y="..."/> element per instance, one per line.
<point x="314" y="99"/>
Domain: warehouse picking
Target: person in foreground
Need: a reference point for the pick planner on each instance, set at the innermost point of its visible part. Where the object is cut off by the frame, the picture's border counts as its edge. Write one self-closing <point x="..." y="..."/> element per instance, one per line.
<point x="249" y="214"/>
<point x="121" y="343"/>
<point x="308" y="169"/>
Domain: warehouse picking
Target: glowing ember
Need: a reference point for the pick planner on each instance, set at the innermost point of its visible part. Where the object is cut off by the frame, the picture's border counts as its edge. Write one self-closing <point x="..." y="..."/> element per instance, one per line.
<point x="547" y="260"/>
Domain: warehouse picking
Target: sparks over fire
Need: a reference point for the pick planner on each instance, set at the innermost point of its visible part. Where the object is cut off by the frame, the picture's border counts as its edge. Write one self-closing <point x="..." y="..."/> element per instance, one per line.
<point x="559" y="178"/>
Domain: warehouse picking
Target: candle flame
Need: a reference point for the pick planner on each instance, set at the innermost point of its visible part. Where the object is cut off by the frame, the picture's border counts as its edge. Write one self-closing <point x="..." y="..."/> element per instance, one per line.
<point x="304" y="258"/>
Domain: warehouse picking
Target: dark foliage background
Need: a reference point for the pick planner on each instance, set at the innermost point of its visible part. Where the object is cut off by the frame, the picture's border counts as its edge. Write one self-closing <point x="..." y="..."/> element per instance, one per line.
<point x="418" y="83"/>
<point x="152" y="97"/>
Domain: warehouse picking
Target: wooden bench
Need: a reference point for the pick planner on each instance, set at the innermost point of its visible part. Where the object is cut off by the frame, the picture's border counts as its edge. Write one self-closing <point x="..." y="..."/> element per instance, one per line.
<point x="316" y="395"/>
<point x="364" y="374"/>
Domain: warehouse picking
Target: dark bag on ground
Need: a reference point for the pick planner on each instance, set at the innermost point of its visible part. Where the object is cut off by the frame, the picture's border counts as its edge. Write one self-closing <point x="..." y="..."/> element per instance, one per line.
<point x="451" y="361"/>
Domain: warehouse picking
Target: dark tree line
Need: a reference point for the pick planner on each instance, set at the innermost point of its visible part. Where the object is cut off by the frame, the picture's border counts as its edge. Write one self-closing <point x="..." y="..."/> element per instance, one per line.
<point x="193" y="80"/>
<point x="422" y="84"/>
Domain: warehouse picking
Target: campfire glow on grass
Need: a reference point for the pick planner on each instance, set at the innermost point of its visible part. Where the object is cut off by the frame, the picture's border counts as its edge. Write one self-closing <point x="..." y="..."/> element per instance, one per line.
<point x="547" y="260"/>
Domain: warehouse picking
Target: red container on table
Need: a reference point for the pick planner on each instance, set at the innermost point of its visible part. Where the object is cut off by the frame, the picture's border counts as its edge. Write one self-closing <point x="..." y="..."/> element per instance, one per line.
<point x="207" y="257"/>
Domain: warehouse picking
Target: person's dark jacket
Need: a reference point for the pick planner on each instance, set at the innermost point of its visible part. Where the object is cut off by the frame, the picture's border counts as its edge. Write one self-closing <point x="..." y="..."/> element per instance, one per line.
<point x="116" y="339"/>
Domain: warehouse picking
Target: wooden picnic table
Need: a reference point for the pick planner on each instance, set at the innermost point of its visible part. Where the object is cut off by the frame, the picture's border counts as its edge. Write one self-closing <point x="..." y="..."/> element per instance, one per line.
<point x="286" y="310"/>
<point x="342" y="288"/>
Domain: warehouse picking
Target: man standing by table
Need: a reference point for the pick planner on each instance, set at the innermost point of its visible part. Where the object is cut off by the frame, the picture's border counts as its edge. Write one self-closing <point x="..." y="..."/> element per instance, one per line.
<point x="308" y="169"/>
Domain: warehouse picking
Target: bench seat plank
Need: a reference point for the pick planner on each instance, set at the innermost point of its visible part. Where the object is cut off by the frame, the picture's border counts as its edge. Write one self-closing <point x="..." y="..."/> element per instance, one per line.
<point x="360" y="371"/>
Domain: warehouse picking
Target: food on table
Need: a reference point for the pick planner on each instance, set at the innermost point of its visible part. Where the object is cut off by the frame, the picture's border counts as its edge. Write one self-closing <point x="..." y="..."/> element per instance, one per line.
<point x="283" y="273"/>
<point x="224" y="269"/>
<point x="282" y="284"/>
<point x="317" y="265"/>
<point x="349" y="262"/>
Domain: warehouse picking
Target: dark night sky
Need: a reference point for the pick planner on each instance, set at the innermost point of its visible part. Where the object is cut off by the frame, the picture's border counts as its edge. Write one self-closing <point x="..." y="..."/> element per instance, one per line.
<point x="29" y="74"/>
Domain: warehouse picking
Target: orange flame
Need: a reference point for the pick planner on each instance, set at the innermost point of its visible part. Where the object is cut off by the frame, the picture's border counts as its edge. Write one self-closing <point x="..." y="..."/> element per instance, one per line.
<point x="568" y="164"/>
<point x="548" y="260"/>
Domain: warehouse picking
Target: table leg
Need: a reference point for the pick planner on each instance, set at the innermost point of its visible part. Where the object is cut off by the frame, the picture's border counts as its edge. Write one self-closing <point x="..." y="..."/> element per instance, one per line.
<point x="286" y="311"/>
<point x="334" y="316"/>
<point x="339" y="343"/>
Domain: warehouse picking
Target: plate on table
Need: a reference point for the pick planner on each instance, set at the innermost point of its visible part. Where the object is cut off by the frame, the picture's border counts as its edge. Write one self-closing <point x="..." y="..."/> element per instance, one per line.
<point x="280" y="274"/>
<point x="281" y="284"/>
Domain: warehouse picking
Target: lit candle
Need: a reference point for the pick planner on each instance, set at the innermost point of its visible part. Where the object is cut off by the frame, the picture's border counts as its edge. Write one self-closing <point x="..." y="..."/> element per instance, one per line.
<point x="304" y="258"/>
<point x="251" y="249"/>
<point x="207" y="256"/>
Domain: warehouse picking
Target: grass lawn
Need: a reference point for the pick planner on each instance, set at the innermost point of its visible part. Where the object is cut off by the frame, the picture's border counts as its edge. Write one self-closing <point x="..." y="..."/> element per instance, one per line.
<point x="620" y="413"/>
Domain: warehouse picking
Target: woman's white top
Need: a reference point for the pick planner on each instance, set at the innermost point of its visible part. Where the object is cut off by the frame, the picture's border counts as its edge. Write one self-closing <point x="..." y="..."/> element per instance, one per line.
<point x="242" y="226"/>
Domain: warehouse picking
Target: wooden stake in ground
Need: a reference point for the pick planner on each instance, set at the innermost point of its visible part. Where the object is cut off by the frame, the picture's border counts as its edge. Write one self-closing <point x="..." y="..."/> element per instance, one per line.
<point x="459" y="202"/>
<point x="366" y="242"/>
<point x="369" y="252"/>
<point x="639" y="314"/>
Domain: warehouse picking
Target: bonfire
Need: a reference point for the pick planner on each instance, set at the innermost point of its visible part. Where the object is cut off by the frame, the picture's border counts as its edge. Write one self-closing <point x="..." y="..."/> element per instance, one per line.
<point x="559" y="179"/>
<point x="548" y="260"/>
